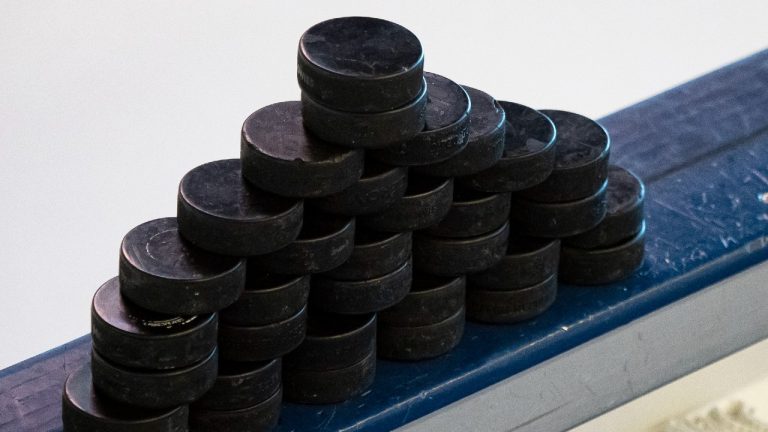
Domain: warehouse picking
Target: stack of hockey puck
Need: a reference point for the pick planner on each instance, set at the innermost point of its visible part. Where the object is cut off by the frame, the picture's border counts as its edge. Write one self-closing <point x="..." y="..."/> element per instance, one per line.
<point x="368" y="218"/>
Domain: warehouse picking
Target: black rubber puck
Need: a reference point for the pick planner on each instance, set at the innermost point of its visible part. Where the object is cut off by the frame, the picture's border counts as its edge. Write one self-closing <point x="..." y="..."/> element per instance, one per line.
<point x="360" y="64"/>
<point x="445" y="131"/>
<point x="365" y="130"/>
<point x="152" y="388"/>
<point x="529" y="152"/>
<point x="528" y="261"/>
<point x="85" y="410"/>
<point x="278" y="155"/>
<point x="325" y="242"/>
<point x="625" y="197"/>
<point x="220" y="212"/>
<point x="375" y="254"/>
<point x="553" y="220"/>
<point x="422" y="342"/>
<point x="485" y="143"/>
<point x="329" y="386"/>
<point x="361" y="296"/>
<point x="241" y="385"/>
<point x="134" y="337"/>
<point x="444" y="256"/>
<point x="265" y="342"/>
<point x="472" y="213"/>
<point x="262" y="417"/>
<point x="602" y="266"/>
<point x="501" y="307"/>
<point x="334" y="341"/>
<point x="268" y="298"/>
<point x="380" y="186"/>
<point x="162" y="272"/>
<point x="426" y="202"/>
<point x="432" y="299"/>
<point x="581" y="163"/>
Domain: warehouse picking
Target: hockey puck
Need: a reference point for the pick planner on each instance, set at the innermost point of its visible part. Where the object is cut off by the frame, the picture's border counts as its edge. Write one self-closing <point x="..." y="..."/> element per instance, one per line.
<point x="365" y="130"/>
<point x="278" y="155"/>
<point x="422" y="342"/>
<point x="502" y="307"/>
<point x="162" y="272"/>
<point x="431" y="300"/>
<point x="151" y="388"/>
<point x="360" y="64"/>
<point x="329" y="386"/>
<point x="443" y="256"/>
<point x="241" y="385"/>
<point x="528" y="261"/>
<point x="220" y="212"/>
<point x="268" y="298"/>
<point x="624" y="217"/>
<point x="334" y="341"/>
<point x="485" y="143"/>
<point x="85" y="410"/>
<point x="472" y="213"/>
<point x="380" y="186"/>
<point x="361" y="296"/>
<point x="426" y="202"/>
<point x="375" y="254"/>
<point x="581" y="162"/>
<point x="553" y="220"/>
<point x="134" y="337"/>
<point x="529" y="152"/>
<point x="602" y="266"/>
<point x="265" y="342"/>
<point x="446" y="128"/>
<point x="325" y="242"/>
<point x="262" y="417"/>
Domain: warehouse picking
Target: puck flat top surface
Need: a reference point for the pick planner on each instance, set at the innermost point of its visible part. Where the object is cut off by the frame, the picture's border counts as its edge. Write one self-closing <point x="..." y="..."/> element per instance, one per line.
<point x="447" y="102"/>
<point x="361" y="47"/>
<point x="624" y="192"/>
<point x="79" y="391"/>
<point x="528" y="131"/>
<point x="218" y="188"/>
<point x="486" y="115"/>
<point x="120" y="313"/>
<point x="580" y="140"/>
<point x="277" y="131"/>
<point x="156" y="248"/>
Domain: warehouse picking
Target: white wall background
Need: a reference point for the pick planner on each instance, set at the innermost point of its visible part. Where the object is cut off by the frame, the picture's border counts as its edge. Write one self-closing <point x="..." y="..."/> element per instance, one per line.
<point x="104" y="105"/>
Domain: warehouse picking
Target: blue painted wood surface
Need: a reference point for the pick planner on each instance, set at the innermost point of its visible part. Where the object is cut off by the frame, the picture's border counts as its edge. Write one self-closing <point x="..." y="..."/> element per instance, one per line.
<point x="702" y="149"/>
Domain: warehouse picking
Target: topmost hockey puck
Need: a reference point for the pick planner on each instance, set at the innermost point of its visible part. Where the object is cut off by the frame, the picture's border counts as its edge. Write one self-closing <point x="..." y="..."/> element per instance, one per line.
<point x="581" y="161"/>
<point x="360" y="64"/>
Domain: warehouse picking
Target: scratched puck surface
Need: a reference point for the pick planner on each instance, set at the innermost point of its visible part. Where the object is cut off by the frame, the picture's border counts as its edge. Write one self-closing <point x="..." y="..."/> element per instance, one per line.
<point x="152" y="388"/>
<point x="263" y="342"/>
<point x="220" y="212"/>
<point x="426" y="202"/>
<point x="261" y="417"/>
<point x="485" y="142"/>
<point x="529" y="152"/>
<point x="334" y="341"/>
<point x="603" y="265"/>
<point x="581" y="162"/>
<point x="432" y="299"/>
<point x="446" y="127"/>
<point x="421" y="342"/>
<point x="360" y="64"/>
<point x="445" y="256"/>
<point x="329" y="386"/>
<point x="135" y="337"/>
<point x="511" y="306"/>
<point x="528" y="261"/>
<point x="375" y="254"/>
<point x="472" y="213"/>
<point x="624" y="217"/>
<point x="380" y="186"/>
<point x="84" y="410"/>
<point x="241" y="385"/>
<point x="278" y="155"/>
<point x="161" y="271"/>
<point x="267" y="298"/>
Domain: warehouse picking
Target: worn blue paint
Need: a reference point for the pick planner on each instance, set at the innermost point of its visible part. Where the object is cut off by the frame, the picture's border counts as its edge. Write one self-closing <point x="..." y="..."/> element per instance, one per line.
<point x="702" y="149"/>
